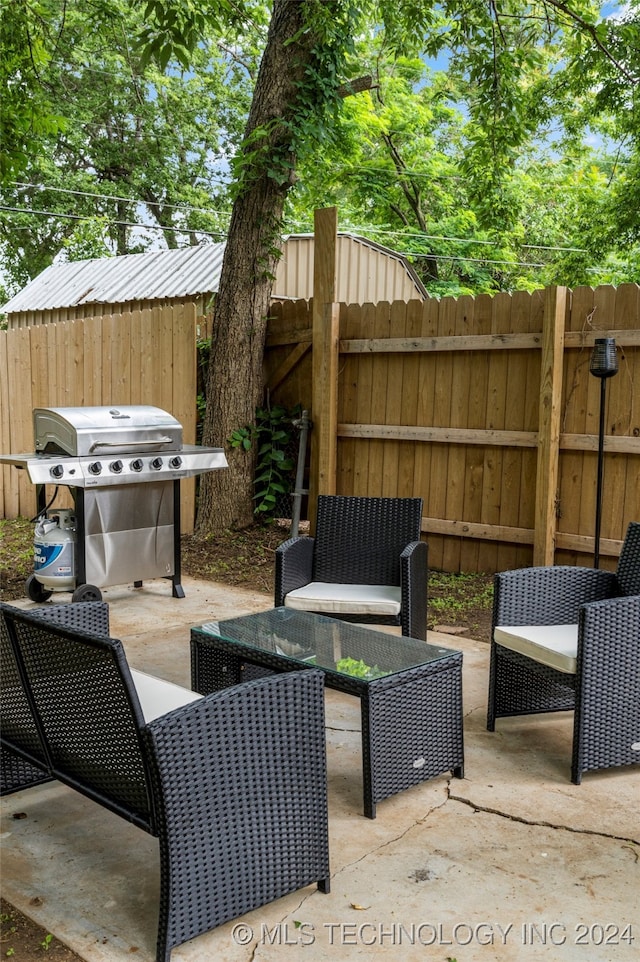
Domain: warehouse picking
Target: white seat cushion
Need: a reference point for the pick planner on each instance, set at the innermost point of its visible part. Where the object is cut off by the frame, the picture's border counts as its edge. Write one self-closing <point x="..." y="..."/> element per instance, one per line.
<point x="555" y="646"/>
<point x="158" y="696"/>
<point x="345" y="599"/>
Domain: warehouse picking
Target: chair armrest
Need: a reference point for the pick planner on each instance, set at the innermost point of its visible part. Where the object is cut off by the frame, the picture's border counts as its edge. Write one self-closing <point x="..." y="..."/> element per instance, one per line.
<point x="294" y="566"/>
<point x="550" y="595"/>
<point x="607" y="727"/>
<point x="609" y="635"/>
<point x="80" y="616"/>
<point x="413" y="586"/>
<point x="240" y="787"/>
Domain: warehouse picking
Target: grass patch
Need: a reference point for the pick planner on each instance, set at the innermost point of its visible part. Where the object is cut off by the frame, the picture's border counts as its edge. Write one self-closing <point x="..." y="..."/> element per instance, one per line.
<point x="16" y="553"/>
<point x="461" y="600"/>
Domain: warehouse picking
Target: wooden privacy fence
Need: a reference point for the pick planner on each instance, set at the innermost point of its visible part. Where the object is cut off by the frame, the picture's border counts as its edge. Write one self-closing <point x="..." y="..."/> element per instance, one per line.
<point x="484" y="407"/>
<point x="133" y="357"/>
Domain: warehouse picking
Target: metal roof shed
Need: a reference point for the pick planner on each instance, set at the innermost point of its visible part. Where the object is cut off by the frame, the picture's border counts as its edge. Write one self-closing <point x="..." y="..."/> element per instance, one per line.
<point x="80" y="289"/>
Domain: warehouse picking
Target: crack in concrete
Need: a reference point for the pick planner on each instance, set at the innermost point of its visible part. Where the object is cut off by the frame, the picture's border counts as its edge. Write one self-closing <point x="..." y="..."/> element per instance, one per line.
<point x="630" y="843"/>
<point x="539" y="824"/>
<point x="450" y="797"/>
<point x="392" y="841"/>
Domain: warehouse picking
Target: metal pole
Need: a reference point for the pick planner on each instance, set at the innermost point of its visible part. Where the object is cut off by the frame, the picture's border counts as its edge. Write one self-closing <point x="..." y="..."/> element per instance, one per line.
<point x="596" y="554"/>
<point x="603" y="364"/>
<point x="296" y="506"/>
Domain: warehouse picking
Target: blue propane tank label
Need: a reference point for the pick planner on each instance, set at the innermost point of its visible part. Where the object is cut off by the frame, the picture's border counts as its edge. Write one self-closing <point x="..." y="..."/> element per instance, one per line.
<point x="50" y="558"/>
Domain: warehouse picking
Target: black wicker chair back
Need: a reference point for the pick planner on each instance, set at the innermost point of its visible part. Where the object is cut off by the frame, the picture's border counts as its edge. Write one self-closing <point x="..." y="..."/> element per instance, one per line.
<point x="23" y="756"/>
<point x="23" y="759"/>
<point x="90" y="719"/>
<point x="360" y="540"/>
<point x="628" y="571"/>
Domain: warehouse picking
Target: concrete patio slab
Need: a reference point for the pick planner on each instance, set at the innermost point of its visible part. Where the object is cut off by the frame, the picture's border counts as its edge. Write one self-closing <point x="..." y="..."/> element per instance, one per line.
<point x="513" y="862"/>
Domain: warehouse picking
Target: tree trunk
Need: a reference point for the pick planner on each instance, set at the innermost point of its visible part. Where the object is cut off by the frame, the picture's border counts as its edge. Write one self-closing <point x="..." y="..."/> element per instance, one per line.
<point x="235" y="377"/>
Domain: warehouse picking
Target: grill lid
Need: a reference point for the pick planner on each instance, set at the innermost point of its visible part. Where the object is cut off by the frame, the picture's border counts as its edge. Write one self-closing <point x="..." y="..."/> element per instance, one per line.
<point x="96" y="446"/>
<point x="82" y="431"/>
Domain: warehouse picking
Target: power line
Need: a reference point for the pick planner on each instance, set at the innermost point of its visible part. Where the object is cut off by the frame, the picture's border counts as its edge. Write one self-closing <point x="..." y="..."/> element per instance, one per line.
<point x="178" y="230"/>
<point x="465" y="240"/>
<point x="478" y="260"/>
<point x="129" y="200"/>
<point x="361" y="230"/>
<point x="119" y="223"/>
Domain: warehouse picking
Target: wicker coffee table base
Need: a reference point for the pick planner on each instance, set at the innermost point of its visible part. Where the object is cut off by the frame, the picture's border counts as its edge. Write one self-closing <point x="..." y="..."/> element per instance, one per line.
<point x="411" y="720"/>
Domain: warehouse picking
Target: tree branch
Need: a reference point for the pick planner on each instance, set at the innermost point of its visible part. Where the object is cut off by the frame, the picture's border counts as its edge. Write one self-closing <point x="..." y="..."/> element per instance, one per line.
<point x="356" y="86"/>
<point x="593" y="33"/>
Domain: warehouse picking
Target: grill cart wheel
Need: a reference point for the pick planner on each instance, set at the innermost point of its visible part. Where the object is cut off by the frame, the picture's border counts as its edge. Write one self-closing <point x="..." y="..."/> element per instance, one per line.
<point x="35" y="590"/>
<point x="87" y="593"/>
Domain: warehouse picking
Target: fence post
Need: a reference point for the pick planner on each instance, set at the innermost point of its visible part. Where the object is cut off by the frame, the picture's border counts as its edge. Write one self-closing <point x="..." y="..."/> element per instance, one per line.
<point x="551" y="372"/>
<point x="324" y="391"/>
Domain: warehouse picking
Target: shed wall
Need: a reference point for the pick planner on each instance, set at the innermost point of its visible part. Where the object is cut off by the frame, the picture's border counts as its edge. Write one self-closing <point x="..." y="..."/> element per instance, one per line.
<point x="363" y="273"/>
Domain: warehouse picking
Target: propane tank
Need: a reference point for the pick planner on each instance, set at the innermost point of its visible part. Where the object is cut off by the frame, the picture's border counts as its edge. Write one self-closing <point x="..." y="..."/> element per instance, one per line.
<point x="54" y="550"/>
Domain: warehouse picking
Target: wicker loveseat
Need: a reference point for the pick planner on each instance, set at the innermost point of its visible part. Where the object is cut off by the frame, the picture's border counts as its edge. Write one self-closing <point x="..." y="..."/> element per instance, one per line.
<point x="248" y="763"/>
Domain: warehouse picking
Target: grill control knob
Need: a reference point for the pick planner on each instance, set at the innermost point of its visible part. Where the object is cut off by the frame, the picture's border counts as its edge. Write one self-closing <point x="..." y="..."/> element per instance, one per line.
<point x="57" y="471"/>
<point x="156" y="464"/>
<point x="116" y="467"/>
<point x="176" y="462"/>
<point x="137" y="465"/>
<point x="95" y="467"/>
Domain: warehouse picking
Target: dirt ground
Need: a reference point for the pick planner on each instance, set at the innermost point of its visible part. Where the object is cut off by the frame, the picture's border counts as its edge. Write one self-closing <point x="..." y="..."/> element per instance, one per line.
<point x="458" y="604"/>
<point x="23" y="941"/>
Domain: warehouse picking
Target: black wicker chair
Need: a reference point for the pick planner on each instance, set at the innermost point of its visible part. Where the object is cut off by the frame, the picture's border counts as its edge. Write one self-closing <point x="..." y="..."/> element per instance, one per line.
<point x="366" y="563"/>
<point x="247" y="765"/>
<point x="568" y="639"/>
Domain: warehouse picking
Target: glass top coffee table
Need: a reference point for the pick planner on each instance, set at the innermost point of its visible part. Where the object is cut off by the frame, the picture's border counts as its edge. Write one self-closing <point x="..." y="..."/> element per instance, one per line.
<point x="410" y="692"/>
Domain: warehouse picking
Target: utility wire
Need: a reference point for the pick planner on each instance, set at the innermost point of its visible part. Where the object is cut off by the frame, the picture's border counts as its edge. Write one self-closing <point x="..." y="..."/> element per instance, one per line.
<point x="129" y="200"/>
<point x="118" y="223"/>
<point x="362" y="230"/>
<point x="461" y="240"/>
<point x="179" y="230"/>
<point x="478" y="260"/>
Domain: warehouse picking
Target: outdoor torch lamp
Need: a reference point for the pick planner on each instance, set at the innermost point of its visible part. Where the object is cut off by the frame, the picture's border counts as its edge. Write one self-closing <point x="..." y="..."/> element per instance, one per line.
<point x="603" y="364"/>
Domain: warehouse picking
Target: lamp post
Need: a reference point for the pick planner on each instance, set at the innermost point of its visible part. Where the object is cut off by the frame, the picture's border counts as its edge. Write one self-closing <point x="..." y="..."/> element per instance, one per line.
<point x="603" y="364"/>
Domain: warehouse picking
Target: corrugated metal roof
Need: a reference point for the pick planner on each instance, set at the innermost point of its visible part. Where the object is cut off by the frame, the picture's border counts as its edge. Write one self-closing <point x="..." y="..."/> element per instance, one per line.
<point x="116" y="280"/>
<point x="155" y="275"/>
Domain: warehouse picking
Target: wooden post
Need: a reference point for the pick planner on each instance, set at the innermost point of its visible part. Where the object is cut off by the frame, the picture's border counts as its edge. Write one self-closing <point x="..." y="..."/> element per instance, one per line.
<point x="324" y="392"/>
<point x="551" y="370"/>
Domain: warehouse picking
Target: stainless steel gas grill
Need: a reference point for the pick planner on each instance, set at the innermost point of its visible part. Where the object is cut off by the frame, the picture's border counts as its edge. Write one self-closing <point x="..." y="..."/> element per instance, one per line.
<point x="124" y="466"/>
